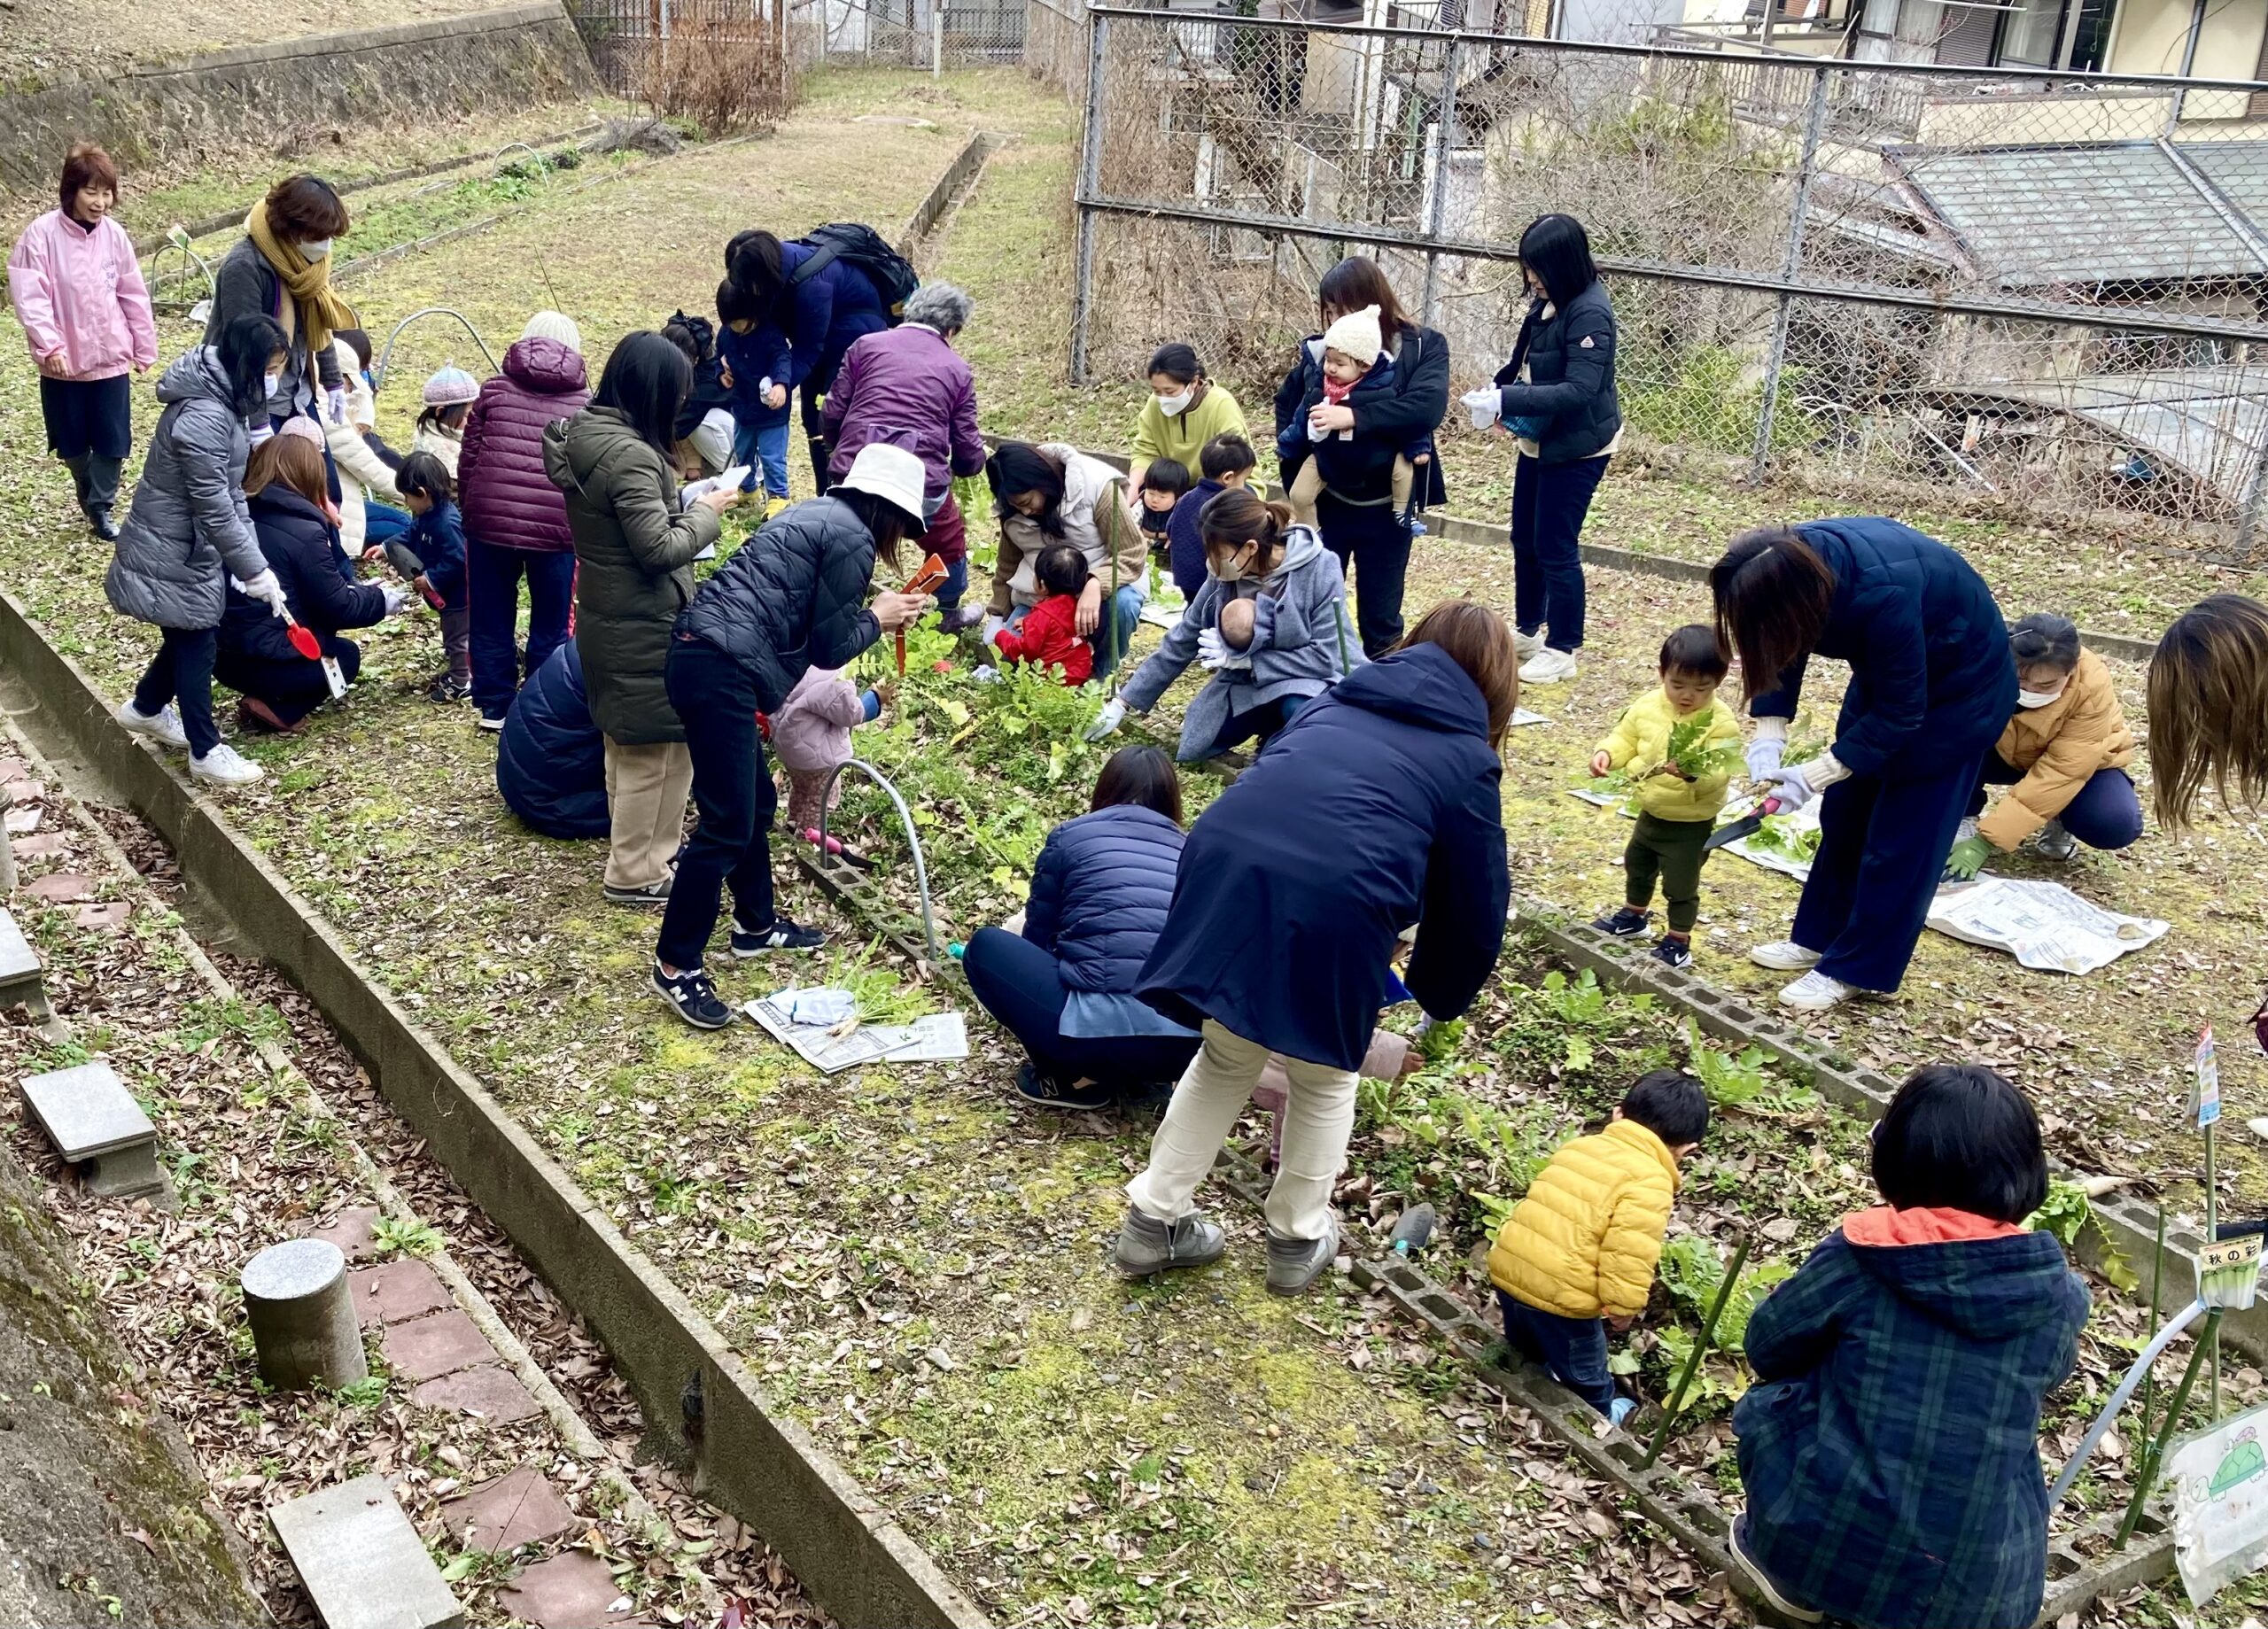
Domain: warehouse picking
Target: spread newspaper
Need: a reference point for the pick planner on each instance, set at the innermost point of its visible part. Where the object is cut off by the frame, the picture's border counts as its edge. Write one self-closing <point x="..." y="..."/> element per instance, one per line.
<point x="938" y="1038"/>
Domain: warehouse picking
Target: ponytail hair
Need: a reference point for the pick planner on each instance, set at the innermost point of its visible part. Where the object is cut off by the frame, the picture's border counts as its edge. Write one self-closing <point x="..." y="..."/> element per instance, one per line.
<point x="1239" y="515"/>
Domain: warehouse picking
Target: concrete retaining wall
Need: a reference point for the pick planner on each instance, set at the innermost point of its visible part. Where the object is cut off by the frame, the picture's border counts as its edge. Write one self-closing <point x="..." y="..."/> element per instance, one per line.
<point x="844" y="1548"/>
<point x="271" y="98"/>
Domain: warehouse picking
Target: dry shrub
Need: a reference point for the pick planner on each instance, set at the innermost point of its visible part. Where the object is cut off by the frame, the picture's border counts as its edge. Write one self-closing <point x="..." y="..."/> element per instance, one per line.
<point x="725" y="76"/>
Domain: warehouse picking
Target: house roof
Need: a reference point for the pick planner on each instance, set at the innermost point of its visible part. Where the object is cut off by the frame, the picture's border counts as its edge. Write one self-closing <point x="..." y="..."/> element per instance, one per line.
<point x="2123" y="211"/>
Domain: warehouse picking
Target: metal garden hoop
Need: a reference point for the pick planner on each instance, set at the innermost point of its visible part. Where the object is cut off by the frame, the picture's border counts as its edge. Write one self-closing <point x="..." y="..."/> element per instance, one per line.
<point x="912" y="841"/>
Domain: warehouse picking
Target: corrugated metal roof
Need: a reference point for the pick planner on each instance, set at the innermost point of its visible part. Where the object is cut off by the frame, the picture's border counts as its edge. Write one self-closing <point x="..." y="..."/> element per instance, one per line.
<point x="2029" y="216"/>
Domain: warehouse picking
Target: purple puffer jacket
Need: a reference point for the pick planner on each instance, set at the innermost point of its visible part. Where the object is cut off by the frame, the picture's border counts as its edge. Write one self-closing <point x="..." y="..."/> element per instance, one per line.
<point x="905" y="386"/>
<point x="507" y="499"/>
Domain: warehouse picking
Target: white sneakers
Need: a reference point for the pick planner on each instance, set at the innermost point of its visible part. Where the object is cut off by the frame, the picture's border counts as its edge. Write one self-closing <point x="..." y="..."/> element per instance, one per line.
<point x="163" y="726"/>
<point x="223" y="767"/>
<point x="1549" y="667"/>
<point x="1815" y="992"/>
<point x="1784" y="956"/>
<point x="1528" y="644"/>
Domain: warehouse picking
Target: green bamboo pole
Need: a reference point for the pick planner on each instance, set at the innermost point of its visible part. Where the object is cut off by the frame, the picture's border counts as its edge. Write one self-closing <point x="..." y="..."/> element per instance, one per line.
<point x="1700" y="1349"/>
<point x="2154" y="1459"/>
<point x="2157" y="1319"/>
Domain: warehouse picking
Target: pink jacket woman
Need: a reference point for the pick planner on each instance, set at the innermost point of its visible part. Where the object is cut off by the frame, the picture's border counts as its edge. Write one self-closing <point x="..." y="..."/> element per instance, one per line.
<point x="86" y="315"/>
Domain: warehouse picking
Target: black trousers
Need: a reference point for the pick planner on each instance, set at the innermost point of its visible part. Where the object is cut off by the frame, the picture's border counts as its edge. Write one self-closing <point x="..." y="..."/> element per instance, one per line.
<point x="292" y="689"/>
<point x="1670" y="850"/>
<point x="1019" y="984"/>
<point x="90" y="427"/>
<point x="182" y="671"/>
<point x="1372" y="540"/>
<point x="732" y="792"/>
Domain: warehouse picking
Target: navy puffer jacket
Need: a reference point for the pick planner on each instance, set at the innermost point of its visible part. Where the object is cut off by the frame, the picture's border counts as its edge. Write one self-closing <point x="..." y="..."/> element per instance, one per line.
<point x="301" y="548"/>
<point x="1100" y="894"/>
<point x="551" y="759"/>
<point x="793" y="598"/>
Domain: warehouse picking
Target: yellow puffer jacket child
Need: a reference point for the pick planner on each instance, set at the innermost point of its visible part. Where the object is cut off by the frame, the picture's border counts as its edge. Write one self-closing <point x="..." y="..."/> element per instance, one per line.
<point x="1584" y="1242"/>
<point x="1640" y="741"/>
<point x="2059" y="747"/>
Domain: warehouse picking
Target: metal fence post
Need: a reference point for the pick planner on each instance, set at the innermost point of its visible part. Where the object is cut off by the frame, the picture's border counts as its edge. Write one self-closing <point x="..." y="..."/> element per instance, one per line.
<point x="1807" y="167"/>
<point x="1443" y="144"/>
<point x="1082" y="272"/>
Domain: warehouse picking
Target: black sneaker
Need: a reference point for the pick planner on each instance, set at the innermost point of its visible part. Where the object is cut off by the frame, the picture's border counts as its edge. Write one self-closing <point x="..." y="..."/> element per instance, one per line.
<point x="494" y="727"/>
<point x="1044" y="1091"/>
<point x="1673" y="952"/>
<point x="449" y="690"/>
<point x="1627" y="923"/>
<point x="782" y="935"/>
<point x="104" y="527"/>
<point x="694" y="996"/>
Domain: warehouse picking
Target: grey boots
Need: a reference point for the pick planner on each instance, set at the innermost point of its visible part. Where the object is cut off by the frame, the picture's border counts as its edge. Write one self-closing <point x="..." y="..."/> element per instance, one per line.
<point x="1294" y="1264"/>
<point x="1148" y="1246"/>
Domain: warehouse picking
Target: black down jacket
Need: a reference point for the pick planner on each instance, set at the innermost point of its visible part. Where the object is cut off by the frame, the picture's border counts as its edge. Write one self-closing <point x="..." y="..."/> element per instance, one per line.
<point x="793" y="598"/>
<point x="1570" y="357"/>
<point x="301" y="548"/>
<point x="1099" y="893"/>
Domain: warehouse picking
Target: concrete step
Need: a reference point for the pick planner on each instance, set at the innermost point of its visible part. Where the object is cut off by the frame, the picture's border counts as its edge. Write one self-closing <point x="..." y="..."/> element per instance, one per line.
<point x="95" y="1123"/>
<point x="22" y="975"/>
<point x="362" y="1563"/>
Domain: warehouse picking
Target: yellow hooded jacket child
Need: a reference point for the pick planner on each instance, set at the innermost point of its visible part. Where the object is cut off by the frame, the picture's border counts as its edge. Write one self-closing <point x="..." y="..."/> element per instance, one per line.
<point x="1640" y="741"/>
<point x="1584" y="1242"/>
<point x="2059" y="747"/>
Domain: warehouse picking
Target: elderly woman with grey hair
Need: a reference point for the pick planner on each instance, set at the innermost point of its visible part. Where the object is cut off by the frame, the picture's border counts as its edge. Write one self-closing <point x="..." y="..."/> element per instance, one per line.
<point x="909" y="387"/>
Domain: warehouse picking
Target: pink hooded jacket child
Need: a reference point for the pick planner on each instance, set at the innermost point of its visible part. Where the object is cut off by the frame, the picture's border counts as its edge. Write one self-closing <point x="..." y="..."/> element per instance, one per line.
<point x="811" y="735"/>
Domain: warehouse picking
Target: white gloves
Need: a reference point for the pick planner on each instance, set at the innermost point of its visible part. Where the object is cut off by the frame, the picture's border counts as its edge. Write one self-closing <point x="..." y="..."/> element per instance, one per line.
<point x="1217" y="652"/>
<point x="1765" y="752"/>
<point x="264" y="586"/>
<point x="1798" y="785"/>
<point x="260" y="431"/>
<point x="991" y="628"/>
<point x="1107" y="722"/>
<point x="398" y="598"/>
<point x="336" y="400"/>
<point x="1484" y="408"/>
<point x="985" y="673"/>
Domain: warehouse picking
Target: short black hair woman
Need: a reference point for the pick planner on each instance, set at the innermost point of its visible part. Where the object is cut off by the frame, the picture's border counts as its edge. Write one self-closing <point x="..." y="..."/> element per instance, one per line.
<point x="1379" y="807"/>
<point x="1932" y="685"/>
<point x="1370" y="538"/>
<point x="280" y="270"/>
<point x="792" y="598"/>
<point x="2064" y="754"/>
<point x="1556" y="399"/>
<point x="188" y="532"/>
<point x="633" y="552"/>
<point x="1064" y="984"/>
<point x="78" y="291"/>
<point x="2208" y="697"/>
<point x="1890" y="1447"/>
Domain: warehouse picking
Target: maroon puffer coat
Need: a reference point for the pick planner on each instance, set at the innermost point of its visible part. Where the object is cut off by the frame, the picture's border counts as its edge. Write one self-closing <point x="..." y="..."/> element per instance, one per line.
<point x="506" y="498"/>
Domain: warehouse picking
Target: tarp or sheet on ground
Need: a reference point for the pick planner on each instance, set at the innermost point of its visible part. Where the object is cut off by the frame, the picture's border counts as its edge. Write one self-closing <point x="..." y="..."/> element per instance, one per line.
<point x="2043" y="925"/>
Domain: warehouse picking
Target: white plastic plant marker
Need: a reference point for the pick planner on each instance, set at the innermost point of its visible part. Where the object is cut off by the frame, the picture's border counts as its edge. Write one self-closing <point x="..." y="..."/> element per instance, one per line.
<point x="2220" y="1504"/>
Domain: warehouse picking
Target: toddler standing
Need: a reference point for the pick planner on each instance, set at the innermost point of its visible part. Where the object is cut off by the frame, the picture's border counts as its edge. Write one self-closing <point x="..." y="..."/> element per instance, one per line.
<point x="755" y="354"/>
<point x="431" y="555"/>
<point x="810" y="736"/>
<point x="1579" y="1250"/>
<point x="1677" y="810"/>
<point x="1049" y="634"/>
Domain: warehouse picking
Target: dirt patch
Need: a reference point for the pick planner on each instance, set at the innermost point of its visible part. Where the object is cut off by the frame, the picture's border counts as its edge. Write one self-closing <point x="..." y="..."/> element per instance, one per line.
<point x="48" y="40"/>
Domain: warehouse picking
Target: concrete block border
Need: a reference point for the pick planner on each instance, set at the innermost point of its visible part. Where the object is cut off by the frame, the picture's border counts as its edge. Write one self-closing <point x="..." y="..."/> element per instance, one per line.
<point x="843" y="1546"/>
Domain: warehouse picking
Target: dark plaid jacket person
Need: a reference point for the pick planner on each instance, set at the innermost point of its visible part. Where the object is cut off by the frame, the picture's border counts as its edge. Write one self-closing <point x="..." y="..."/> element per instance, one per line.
<point x="1891" y="1447"/>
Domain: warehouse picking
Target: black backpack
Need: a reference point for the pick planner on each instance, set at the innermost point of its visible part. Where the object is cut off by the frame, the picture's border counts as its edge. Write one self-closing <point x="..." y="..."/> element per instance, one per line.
<point x="893" y="277"/>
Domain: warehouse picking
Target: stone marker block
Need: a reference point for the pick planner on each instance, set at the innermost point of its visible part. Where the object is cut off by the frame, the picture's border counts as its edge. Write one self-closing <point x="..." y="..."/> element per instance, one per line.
<point x="397" y="1291"/>
<point x="60" y="887"/>
<point x="573" y="1590"/>
<point x="38" y="846"/>
<point x="22" y="819"/>
<point x="494" y="1394"/>
<point x="20" y="972"/>
<point x="302" y="1315"/>
<point x="354" y="1230"/>
<point x="104" y="918"/>
<point x="512" y="1510"/>
<point x="93" y="1121"/>
<point x="427" y="1348"/>
<point x="362" y="1563"/>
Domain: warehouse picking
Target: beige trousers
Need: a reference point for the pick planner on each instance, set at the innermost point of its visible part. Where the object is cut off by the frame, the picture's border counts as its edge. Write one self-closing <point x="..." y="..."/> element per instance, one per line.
<point x="1307" y="487"/>
<point x="1212" y="1093"/>
<point x="646" y="793"/>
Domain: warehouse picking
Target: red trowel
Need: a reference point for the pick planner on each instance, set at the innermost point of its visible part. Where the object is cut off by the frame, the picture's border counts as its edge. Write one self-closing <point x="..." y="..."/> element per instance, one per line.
<point x="931" y="574"/>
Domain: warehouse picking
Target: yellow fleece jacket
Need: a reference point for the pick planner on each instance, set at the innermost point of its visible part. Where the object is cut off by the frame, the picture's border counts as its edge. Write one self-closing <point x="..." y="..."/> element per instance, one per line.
<point x="1584" y="1242"/>
<point x="1640" y="741"/>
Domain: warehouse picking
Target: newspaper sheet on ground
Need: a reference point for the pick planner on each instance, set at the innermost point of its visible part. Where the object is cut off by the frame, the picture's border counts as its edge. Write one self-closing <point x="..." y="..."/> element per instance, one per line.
<point x="1520" y="716"/>
<point x="939" y="1037"/>
<point x="2043" y="925"/>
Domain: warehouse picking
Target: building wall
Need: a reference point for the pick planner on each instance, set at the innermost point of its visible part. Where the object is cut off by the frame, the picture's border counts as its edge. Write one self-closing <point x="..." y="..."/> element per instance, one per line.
<point x="2148" y="37"/>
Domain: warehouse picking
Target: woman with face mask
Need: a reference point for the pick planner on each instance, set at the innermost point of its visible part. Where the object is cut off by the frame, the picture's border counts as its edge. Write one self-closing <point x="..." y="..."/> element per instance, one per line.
<point x="1185" y="410"/>
<point x="2065" y="753"/>
<point x="282" y="270"/>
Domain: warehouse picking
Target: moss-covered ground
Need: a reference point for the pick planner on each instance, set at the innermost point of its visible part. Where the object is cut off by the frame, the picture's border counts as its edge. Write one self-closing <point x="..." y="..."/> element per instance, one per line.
<point x="916" y="1265"/>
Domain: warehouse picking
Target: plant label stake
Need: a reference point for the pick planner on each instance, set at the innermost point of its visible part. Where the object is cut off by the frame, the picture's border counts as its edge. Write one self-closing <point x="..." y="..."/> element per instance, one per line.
<point x="931" y="574"/>
<point x="1700" y="1349"/>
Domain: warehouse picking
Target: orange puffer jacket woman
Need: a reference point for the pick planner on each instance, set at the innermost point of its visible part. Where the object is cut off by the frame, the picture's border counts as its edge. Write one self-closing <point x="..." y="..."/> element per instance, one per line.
<point x="1584" y="1242"/>
<point x="2059" y="747"/>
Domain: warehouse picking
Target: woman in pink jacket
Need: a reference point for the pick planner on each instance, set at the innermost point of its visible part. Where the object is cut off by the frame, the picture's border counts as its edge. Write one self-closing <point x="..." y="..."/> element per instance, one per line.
<point x="79" y="294"/>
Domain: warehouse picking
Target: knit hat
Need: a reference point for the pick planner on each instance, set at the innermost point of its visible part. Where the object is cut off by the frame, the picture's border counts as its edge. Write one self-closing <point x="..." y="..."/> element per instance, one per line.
<point x="552" y="325"/>
<point x="304" y="429"/>
<point x="451" y="385"/>
<point x="1357" y="335"/>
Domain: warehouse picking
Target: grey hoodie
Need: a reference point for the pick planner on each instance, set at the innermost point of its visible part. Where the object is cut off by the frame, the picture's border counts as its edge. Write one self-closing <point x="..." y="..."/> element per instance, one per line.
<point x="1301" y="643"/>
<point x="189" y="530"/>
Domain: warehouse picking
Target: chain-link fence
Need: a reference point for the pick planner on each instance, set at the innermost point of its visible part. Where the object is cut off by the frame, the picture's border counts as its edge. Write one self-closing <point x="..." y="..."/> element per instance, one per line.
<point x="929" y="34"/>
<point x="725" y="64"/>
<point x="2044" y="290"/>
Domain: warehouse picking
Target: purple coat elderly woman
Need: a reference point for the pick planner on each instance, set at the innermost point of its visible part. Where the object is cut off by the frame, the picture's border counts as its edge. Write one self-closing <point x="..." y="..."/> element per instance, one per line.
<point x="907" y="386"/>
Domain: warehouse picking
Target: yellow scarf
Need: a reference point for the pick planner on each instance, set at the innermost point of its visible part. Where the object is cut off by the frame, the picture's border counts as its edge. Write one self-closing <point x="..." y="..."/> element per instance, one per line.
<point x="320" y="311"/>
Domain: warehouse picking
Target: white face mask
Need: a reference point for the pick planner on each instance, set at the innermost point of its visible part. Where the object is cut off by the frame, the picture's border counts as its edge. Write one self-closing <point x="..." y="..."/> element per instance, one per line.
<point x="273" y="381"/>
<point x="1232" y="571"/>
<point x="1173" y="407"/>
<point x="2037" y="698"/>
<point x="316" y="248"/>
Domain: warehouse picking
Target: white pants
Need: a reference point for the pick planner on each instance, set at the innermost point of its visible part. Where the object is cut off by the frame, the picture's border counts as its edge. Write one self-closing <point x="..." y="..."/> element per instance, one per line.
<point x="1212" y="1093"/>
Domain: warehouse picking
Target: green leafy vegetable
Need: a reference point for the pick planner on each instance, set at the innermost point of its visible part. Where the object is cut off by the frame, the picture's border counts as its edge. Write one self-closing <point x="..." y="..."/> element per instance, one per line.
<point x="1435" y="1045"/>
<point x="1780" y="834"/>
<point x="1691" y="755"/>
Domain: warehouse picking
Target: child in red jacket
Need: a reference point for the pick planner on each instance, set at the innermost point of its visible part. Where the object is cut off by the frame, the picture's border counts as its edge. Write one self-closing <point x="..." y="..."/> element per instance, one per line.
<point x="1049" y="634"/>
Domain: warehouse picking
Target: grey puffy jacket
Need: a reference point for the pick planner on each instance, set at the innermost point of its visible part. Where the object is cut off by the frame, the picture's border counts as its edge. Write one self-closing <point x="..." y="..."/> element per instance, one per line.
<point x="189" y="530"/>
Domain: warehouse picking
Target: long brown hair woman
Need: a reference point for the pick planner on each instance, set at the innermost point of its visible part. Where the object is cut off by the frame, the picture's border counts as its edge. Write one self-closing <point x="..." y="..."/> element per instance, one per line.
<point x="2208" y="695"/>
